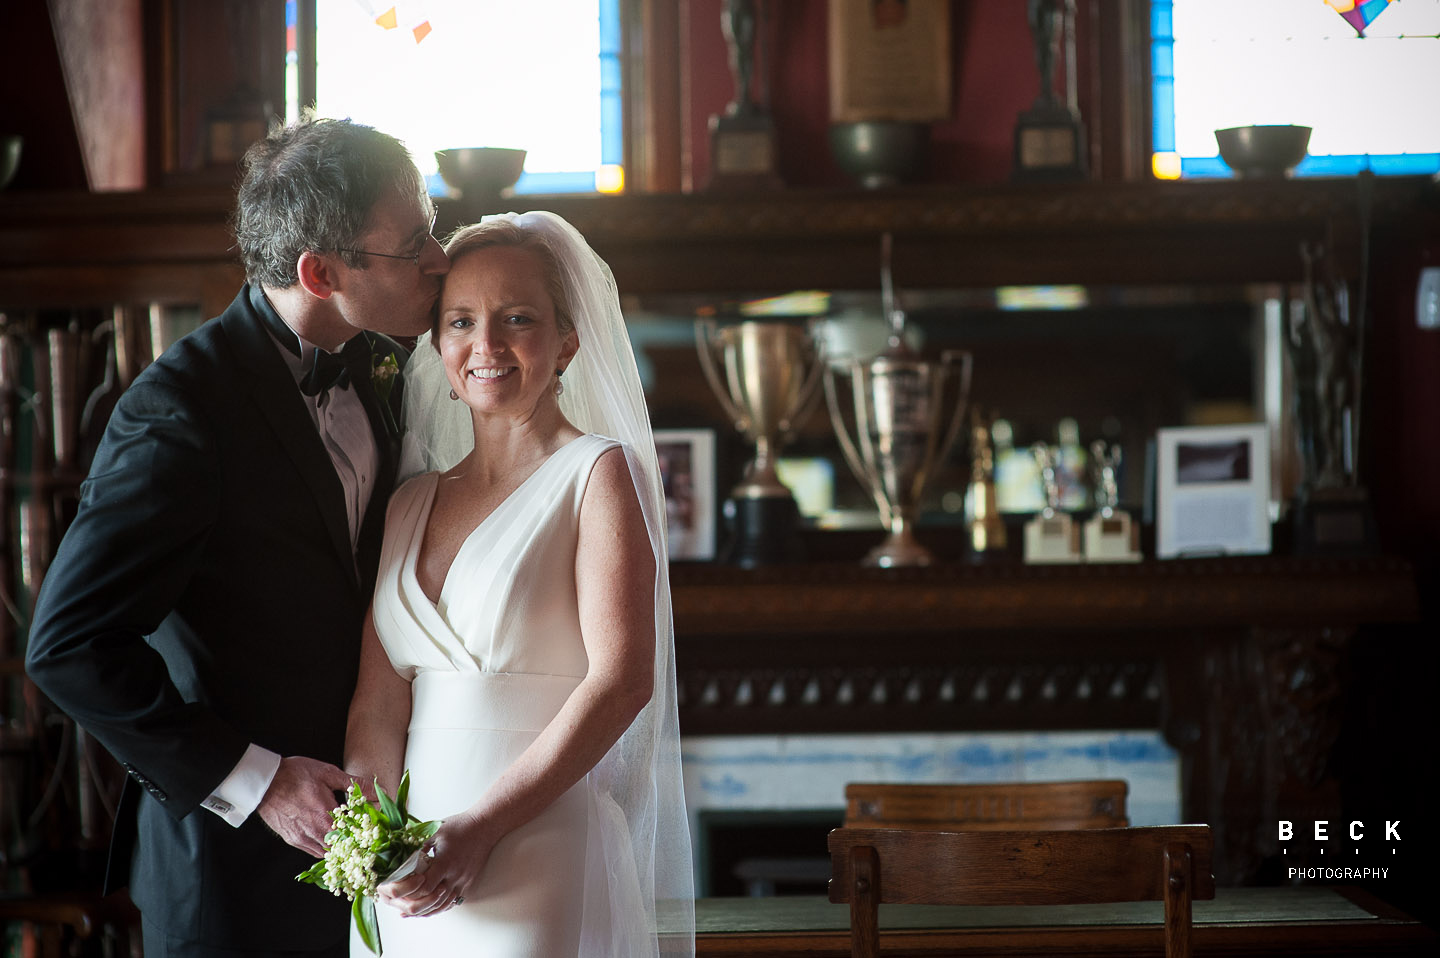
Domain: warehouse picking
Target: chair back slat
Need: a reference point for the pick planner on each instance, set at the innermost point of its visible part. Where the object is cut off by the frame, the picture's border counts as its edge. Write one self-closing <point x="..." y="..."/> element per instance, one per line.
<point x="923" y="867"/>
<point x="1044" y="805"/>
<point x="1168" y="863"/>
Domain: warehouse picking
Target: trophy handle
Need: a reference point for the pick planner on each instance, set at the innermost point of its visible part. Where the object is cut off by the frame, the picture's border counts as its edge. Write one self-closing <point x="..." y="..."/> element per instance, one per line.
<point x="957" y="420"/>
<point x="809" y="391"/>
<point x="704" y="337"/>
<point x="847" y="446"/>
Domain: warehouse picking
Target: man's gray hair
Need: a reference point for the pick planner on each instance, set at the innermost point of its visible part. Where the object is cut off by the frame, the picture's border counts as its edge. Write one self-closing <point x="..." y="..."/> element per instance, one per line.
<point x="312" y="185"/>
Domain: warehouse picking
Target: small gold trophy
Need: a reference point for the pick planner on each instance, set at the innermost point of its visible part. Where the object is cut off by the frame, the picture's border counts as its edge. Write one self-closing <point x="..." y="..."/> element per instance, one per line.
<point x="766" y="374"/>
<point x="986" y="528"/>
<point x="1051" y="537"/>
<point x="1110" y="534"/>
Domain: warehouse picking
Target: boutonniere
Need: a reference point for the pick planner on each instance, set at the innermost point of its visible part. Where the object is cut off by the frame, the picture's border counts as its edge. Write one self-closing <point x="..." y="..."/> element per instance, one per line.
<point x="382" y="377"/>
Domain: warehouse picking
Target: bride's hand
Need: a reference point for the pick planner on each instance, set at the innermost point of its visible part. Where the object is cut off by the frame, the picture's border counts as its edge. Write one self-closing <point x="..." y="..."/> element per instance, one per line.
<point x="459" y="850"/>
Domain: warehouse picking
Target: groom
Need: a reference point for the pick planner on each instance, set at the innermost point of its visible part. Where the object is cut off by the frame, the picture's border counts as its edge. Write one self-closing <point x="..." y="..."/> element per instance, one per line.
<point x="202" y="617"/>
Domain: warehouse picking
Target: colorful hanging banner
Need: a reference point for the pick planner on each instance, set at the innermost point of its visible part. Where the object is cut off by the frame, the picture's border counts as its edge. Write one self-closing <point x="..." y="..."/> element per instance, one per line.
<point x="1359" y="13"/>
<point x="390" y="17"/>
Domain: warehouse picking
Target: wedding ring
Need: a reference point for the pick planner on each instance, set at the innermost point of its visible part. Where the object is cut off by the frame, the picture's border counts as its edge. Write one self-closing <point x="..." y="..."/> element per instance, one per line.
<point x="458" y="900"/>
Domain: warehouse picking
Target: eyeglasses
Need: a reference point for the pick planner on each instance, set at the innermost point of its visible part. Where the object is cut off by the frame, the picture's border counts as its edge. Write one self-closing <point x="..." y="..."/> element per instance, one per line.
<point x="412" y="257"/>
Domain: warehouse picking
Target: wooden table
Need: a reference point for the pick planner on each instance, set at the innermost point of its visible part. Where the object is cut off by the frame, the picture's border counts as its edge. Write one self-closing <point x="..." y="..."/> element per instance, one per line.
<point x="1306" y="920"/>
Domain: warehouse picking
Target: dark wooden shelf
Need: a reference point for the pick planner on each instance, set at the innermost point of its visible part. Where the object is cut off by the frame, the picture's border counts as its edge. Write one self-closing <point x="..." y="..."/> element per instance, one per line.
<point x="1189" y="593"/>
<point x="71" y="249"/>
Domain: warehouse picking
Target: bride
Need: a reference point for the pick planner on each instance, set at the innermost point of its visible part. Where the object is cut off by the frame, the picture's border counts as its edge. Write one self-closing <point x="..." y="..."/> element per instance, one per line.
<point x="519" y="655"/>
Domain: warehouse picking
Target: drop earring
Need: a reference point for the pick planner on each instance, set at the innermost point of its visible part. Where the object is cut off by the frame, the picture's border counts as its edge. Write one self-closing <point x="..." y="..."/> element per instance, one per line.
<point x="559" y="384"/>
<point x="454" y="395"/>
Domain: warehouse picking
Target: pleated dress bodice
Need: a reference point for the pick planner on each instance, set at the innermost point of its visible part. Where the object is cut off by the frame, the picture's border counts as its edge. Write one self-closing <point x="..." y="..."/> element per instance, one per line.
<point x="508" y="603"/>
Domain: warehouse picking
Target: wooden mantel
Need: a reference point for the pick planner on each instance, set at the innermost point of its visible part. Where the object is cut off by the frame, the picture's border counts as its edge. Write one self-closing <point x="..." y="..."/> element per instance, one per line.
<point x="68" y="250"/>
<point x="1187" y="594"/>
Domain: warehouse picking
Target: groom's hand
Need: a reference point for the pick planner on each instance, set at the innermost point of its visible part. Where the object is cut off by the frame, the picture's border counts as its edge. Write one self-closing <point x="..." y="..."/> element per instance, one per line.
<point x="298" y="803"/>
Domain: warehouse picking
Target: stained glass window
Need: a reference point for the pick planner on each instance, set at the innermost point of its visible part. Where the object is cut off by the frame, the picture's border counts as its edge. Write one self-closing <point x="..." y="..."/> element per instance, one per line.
<point x="543" y="76"/>
<point x="1361" y="73"/>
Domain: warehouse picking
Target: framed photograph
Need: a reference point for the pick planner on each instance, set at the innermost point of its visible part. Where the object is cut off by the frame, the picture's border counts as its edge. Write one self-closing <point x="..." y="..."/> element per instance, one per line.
<point x="687" y="470"/>
<point x="890" y="60"/>
<point x="1212" y="491"/>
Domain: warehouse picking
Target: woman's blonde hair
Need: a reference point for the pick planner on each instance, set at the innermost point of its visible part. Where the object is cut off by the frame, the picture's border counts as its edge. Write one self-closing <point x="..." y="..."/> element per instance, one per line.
<point x="502" y="232"/>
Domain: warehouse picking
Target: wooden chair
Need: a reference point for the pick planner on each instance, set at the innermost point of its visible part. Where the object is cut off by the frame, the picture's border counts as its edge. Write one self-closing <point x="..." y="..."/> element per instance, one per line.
<point x="1048" y="805"/>
<point x="1169" y="863"/>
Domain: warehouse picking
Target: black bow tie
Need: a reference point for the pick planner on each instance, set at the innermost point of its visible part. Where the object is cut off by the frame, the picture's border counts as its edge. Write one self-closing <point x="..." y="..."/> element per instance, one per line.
<point x="334" y="369"/>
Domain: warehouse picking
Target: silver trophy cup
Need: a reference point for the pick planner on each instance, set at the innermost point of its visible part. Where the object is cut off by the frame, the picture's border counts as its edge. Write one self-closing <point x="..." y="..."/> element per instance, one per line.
<point x="907" y="413"/>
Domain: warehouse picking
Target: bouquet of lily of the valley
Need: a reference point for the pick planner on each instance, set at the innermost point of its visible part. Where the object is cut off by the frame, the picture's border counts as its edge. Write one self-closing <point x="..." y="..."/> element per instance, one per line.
<point x="371" y="843"/>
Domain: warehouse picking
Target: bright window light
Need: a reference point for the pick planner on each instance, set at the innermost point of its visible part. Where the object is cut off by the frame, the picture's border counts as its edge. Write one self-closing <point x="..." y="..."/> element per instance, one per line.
<point x="1226" y="63"/>
<point x="542" y="76"/>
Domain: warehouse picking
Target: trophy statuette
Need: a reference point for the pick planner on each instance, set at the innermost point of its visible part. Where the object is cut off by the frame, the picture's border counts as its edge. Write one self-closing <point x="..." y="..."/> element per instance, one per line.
<point x="743" y="152"/>
<point x="1052" y="536"/>
<point x="1049" y="136"/>
<point x="1110" y="535"/>
<point x="766" y="375"/>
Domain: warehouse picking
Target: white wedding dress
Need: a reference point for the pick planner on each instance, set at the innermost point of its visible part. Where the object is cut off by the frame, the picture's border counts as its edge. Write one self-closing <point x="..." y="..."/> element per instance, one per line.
<point x="492" y="663"/>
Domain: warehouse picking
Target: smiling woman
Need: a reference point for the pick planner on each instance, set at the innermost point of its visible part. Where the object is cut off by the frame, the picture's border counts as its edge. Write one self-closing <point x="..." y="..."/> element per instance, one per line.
<point x="543" y="77"/>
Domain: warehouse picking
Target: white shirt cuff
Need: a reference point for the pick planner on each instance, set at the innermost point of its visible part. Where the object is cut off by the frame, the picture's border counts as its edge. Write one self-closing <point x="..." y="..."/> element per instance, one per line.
<point x="240" y="793"/>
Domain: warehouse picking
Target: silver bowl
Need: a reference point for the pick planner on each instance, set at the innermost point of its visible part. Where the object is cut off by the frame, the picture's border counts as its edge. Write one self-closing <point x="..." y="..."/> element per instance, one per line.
<point x="879" y="153"/>
<point x="480" y="170"/>
<point x="1261" y="152"/>
<point x="9" y="157"/>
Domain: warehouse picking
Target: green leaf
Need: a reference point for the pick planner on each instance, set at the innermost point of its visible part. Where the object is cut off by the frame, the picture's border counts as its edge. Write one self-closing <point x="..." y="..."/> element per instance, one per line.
<point x="403" y="795"/>
<point x="363" y="911"/>
<point x="315" y="874"/>
<point x="394" y="817"/>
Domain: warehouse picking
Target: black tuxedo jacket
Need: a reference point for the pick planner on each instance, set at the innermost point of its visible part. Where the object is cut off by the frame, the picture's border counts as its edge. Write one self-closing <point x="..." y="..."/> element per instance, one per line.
<point x="204" y="598"/>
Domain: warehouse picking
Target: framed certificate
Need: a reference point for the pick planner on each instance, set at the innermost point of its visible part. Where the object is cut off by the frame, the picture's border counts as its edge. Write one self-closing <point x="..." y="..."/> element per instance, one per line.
<point x="687" y="471"/>
<point x="890" y="60"/>
<point x="1212" y="491"/>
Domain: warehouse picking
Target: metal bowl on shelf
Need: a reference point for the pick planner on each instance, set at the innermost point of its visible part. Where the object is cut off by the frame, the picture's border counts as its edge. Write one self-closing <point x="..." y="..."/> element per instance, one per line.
<point x="480" y="170"/>
<point x="879" y="153"/>
<point x="1263" y="152"/>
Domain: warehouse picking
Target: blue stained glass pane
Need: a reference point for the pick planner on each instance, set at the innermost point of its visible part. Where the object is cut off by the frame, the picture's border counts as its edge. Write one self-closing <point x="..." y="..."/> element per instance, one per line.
<point x="1403" y="164"/>
<point x="1396" y="164"/>
<point x="579" y="181"/>
<point x="1162" y="20"/>
<point x="1163" y="115"/>
<point x="609" y="73"/>
<point x="1162" y="60"/>
<point x="609" y="26"/>
<point x="1198" y="166"/>
<point x="612" y="144"/>
<point x="612" y="129"/>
